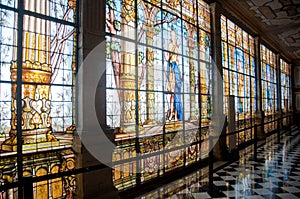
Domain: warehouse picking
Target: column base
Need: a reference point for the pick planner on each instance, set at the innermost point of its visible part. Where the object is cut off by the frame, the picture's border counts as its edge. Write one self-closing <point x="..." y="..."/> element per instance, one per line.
<point x="129" y="131"/>
<point x="150" y="121"/>
<point x="174" y="126"/>
<point x="193" y="119"/>
<point x="31" y="140"/>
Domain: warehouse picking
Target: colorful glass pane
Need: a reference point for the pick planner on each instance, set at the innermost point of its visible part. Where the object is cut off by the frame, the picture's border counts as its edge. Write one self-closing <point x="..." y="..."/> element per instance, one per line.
<point x="269" y="91"/>
<point x="224" y="55"/>
<point x="124" y="175"/>
<point x="48" y="66"/>
<point x="245" y="41"/>
<point x="191" y="154"/>
<point x="223" y="28"/>
<point x="10" y="3"/>
<point x="231" y="32"/>
<point x="286" y="103"/>
<point x="120" y="18"/>
<point x="8" y="47"/>
<point x="189" y="11"/>
<point x="64" y="10"/>
<point x="203" y="15"/>
<point x="173" y="6"/>
<point x="237" y="77"/>
<point x="153" y="81"/>
<point x="239" y="36"/>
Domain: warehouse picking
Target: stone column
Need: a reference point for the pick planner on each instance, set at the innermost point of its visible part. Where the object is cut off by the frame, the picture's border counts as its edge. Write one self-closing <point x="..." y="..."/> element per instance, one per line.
<point x="97" y="183"/>
<point x="259" y="115"/>
<point x="220" y="149"/>
<point x="231" y="122"/>
<point x="279" y="111"/>
<point x="294" y="85"/>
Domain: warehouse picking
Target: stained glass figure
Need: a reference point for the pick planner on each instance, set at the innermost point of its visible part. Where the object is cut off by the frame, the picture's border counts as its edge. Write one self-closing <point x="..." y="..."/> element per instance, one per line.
<point x="155" y="77"/>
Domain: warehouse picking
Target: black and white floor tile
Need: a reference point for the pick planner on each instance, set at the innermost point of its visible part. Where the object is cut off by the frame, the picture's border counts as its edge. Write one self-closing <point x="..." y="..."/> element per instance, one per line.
<point x="275" y="174"/>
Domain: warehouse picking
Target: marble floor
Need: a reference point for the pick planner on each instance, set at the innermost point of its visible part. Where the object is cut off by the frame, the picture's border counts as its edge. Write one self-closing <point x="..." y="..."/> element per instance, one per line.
<point x="275" y="174"/>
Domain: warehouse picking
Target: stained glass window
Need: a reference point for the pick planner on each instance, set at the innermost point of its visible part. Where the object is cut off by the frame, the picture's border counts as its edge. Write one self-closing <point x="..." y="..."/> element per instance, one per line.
<point x="157" y="85"/>
<point x="286" y="97"/>
<point x="239" y="76"/>
<point x="269" y="87"/>
<point x="48" y="65"/>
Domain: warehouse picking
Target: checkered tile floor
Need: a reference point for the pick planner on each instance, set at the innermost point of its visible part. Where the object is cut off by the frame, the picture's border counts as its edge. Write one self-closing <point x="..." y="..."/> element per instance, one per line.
<point x="276" y="174"/>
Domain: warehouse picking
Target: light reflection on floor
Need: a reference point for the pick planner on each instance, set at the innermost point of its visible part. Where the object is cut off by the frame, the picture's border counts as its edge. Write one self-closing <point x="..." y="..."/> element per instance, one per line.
<point x="276" y="174"/>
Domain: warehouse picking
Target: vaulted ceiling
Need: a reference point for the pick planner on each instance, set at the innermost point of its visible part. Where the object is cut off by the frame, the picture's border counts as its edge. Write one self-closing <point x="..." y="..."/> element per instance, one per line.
<point x="276" y="21"/>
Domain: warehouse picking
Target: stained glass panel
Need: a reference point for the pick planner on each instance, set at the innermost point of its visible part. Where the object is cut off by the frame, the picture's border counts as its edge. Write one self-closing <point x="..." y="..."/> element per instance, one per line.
<point x="286" y="99"/>
<point x="245" y="41"/>
<point x="223" y="28"/>
<point x="124" y="175"/>
<point x="239" y="37"/>
<point x="173" y="6"/>
<point x="64" y="10"/>
<point x="204" y="16"/>
<point x="269" y="87"/>
<point x="10" y="3"/>
<point x="191" y="152"/>
<point x="48" y="68"/>
<point x="231" y="32"/>
<point x="152" y="166"/>
<point x="226" y="90"/>
<point x="154" y="85"/>
<point x="251" y="45"/>
<point x="239" y="77"/>
<point x="224" y="55"/>
<point x="7" y="46"/>
<point x="120" y="19"/>
<point x="204" y="45"/>
<point x="189" y="11"/>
